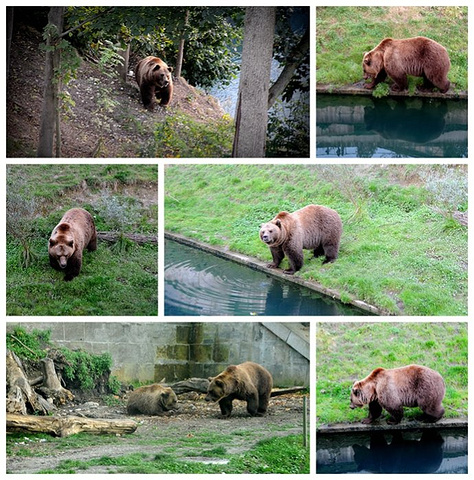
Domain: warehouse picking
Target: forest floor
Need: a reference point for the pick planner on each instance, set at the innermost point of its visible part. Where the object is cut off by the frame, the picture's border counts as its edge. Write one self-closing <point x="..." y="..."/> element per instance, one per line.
<point x="189" y="434"/>
<point x="106" y="118"/>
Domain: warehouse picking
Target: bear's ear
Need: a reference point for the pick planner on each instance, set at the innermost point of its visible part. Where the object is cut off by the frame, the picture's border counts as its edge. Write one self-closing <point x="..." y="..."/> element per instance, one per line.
<point x="170" y="69"/>
<point x="52" y="242"/>
<point x="156" y="67"/>
<point x="220" y="383"/>
<point x="278" y="223"/>
<point x="71" y="243"/>
<point x="210" y="379"/>
<point x="231" y="368"/>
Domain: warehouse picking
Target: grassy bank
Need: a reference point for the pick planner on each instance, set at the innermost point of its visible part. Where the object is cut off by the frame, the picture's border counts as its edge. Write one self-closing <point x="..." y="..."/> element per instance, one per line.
<point x="344" y="34"/>
<point x="401" y="250"/>
<point x="117" y="279"/>
<point x="346" y="352"/>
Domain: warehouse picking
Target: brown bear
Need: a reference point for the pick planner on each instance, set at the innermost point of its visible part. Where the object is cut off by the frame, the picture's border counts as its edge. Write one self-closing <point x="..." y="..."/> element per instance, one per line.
<point x="248" y="381"/>
<point x="392" y="389"/>
<point x="312" y="227"/>
<point x="154" y="80"/>
<point x="151" y="400"/>
<point x="75" y="231"/>
<point x="418" y="56"/>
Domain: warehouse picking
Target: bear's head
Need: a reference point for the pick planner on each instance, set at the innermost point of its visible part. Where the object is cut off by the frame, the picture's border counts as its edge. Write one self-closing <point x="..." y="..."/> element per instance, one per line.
<point x="270" y="232"/>
<point x="161" y="75"/>
<point x="222" y="385"/>
<point x="61" y="245"/>
<point x="372" y="64"/>
<point x="167" y="399"/>
<point x="362" y="393"/>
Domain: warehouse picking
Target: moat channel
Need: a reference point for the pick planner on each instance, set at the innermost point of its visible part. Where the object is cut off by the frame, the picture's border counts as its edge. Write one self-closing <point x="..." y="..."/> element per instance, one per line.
<point x="199" y="283"/>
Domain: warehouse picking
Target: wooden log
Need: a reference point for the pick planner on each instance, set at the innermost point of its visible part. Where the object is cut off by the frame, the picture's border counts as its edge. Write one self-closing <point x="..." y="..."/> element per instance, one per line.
<point x="113" y="237"/>
<point x="64" y="426"/>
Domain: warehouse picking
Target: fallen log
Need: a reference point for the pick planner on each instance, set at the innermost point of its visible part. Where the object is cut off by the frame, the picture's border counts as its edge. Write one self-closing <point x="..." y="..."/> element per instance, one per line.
<point x="64" y="426"/>
<point x="201" y="385"/>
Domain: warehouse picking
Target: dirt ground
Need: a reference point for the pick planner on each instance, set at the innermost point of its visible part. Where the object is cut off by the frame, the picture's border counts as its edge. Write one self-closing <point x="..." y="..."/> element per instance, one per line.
<point x="167" y="433"/>
<point x="107" y="118"/>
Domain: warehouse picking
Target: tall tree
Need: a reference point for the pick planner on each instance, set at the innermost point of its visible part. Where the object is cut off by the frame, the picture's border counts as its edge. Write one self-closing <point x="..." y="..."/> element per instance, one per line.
<point x="49" y="113"/>
<point x="252" y="105"/>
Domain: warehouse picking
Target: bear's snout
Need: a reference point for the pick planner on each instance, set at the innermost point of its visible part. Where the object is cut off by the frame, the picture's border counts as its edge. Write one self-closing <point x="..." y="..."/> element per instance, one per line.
<point x="63" y="262"/>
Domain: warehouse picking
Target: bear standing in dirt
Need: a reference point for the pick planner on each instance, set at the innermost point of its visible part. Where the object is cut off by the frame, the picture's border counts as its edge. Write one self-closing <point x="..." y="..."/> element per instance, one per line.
<point x="151" y="400"/>
<point x="154" y="80"/>
<point x="418" y="56"/>
<point x="75" y="231"/>
<point x="248" y="381"/>
<point x="393" y="389"/>
<point x="313" y="227"/>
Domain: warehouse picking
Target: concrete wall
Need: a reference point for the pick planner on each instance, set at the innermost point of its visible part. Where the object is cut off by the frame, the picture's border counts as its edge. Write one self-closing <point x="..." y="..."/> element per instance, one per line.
<point x="176" y="351"/>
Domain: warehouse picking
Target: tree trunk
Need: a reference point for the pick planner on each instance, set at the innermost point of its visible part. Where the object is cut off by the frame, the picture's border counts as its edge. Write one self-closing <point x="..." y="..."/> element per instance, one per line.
<point x="64" y="426"/>
<point x="297" y="56"/>
<point x="48" y="114"/>
<point x="252" y="106"/>
<point x="179" y="59"/>
<point x="52" y="388"/>
<point x="122" y="69"/>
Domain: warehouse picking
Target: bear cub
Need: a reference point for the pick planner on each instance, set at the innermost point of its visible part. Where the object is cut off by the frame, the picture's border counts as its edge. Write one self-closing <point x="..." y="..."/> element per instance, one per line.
<point x="248" y="381"/>
<point x="74" y="232"/>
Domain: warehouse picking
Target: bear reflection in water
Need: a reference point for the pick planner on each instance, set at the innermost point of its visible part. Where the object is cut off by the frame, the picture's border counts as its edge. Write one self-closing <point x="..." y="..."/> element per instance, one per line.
<point x="418" y="122"/>
<point x="400" y="455"/>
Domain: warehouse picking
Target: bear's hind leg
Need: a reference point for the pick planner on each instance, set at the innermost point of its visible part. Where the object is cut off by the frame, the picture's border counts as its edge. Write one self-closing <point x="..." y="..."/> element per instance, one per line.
<point x="331" y="252"/>
<point x="318" y="251"/>
<point x="92" y="246"/>
<point x="396" y="415"/>
<point x="253" y="405"/>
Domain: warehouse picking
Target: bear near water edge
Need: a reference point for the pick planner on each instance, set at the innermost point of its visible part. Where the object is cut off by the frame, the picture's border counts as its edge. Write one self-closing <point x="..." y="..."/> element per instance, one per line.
<point x="313" y="227"/>
<point x="418" y="56"/>
<point x="154" y="80"/>
<point x="151" y="400"/>
<point x="75" y="232"/>
<point x="393" y="389"/>
<point x="248" y="381"/>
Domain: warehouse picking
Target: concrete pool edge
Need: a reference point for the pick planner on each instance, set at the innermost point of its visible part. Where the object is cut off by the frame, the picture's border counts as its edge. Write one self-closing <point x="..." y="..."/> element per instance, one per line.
<point x="357" y="89"/>
<point x="261" y="266"/>
<point x="404" y="425"/>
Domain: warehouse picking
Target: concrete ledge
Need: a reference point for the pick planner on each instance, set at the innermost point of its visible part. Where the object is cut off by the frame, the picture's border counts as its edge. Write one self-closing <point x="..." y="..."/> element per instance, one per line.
<point x="383" y="427"/>
<point x="262" y="267"/>
<point x="358" y="89"/>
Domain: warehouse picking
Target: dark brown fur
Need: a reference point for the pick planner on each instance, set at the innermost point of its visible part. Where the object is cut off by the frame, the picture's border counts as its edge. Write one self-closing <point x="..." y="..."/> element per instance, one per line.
<point x="75" y="231"/>
<point x="154" y="80"/>
<point x="313" y="227"/>
<point x="151" y="400"/>
<point x="248" y="381"/>
<point x="418" y="56"/>
<point x="393" y="389"/>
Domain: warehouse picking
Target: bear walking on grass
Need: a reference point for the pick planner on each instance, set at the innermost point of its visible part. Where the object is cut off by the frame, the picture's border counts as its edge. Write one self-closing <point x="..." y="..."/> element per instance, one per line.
<point x="248" y="381"/>
<point x="75" y="231"/>
<point x="154" y="80"/>
<point x="393" y="389"/>
<point x="151" y="400"/>
<point x="313" y="227"/>
<point x="418" y="56"/>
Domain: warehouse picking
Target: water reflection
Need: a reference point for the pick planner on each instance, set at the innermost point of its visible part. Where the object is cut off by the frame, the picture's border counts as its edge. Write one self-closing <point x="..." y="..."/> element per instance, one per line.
<point x="198" y="283"/>
<point x="424" y="451"/>
<point x="364" y="126"/>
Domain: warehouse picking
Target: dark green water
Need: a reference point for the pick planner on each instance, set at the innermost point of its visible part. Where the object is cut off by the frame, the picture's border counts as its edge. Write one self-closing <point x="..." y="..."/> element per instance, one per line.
<point x="354" y="126"/>
<point x="419" y="451"/>
<point x="198" y="283"/>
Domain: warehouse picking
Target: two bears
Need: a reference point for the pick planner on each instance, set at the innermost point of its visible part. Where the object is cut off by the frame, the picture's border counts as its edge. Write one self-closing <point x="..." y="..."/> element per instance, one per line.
<point x="248" y="381"/>
<point x="418" y="56"/>
<point x="393" y="389"/>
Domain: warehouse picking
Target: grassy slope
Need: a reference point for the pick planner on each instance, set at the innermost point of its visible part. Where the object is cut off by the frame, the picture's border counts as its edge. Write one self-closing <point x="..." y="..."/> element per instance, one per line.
<point x="345" y="33"/>
<point x="346" y="352"/>
<point x="112" y="281"/>
<point x="396" y="253"/>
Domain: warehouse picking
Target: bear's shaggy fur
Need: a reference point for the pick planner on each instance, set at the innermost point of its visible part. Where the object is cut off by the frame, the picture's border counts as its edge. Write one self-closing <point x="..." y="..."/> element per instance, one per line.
<point x="75" y="231"/>
<point x="248" y="381"/>
<point x="154" y="80"/>
<point x="393" y="389"/>
<point x="418" y="56"/>
<point x="313" y="227"/>
<point x="151" y="400"/>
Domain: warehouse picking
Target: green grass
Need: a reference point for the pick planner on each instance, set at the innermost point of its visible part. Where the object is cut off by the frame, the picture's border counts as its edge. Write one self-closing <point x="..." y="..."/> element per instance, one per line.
<point x="274" y="455"/>
<point x="347" y="352"/>
<point x="344" y="34"/>
<point x="116" y="279"/>
<point x="398" y="252"/>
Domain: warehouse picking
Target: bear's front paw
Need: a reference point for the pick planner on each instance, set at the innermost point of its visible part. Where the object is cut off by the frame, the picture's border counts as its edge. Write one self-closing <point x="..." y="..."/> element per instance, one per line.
<point x="271" y="265"/>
